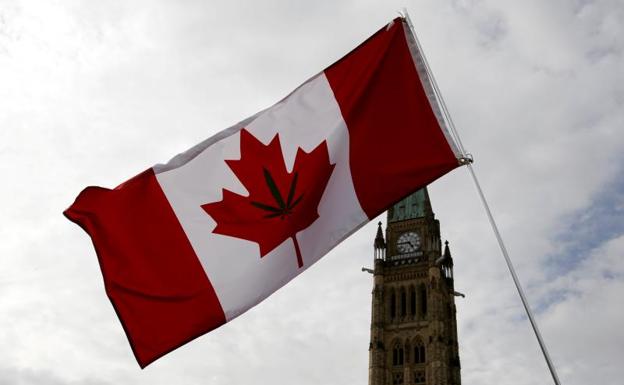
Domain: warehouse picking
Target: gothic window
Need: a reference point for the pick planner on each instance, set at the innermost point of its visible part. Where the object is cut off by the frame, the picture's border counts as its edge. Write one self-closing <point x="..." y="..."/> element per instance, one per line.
<point x="397" y="355"/>
<point x="419" y="352"/>
<point x="407" y="351"/>
<point x="392" y="305"/>
<point x="397" y="378"/>
<point x="419" y="377"/>
<point x="412" y="301"/>
<point x="422" y="294"/>
<point x="403" y="303"/>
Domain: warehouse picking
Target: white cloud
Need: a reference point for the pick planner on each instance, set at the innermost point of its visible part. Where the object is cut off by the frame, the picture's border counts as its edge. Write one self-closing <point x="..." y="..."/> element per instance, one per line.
<point x="94" y="93"/>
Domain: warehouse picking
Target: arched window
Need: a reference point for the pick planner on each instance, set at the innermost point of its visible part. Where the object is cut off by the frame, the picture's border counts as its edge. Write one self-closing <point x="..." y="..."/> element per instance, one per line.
<point x="397" y="355"/>
<point x="422" y="296"/>
<point x="419" y="352"/>
<point x="392" y="305"/>
<point x="407" y="350"/>
<point x="403" y="302"/>
<point x="419" y="377"/>
<point x="412" y="301"/>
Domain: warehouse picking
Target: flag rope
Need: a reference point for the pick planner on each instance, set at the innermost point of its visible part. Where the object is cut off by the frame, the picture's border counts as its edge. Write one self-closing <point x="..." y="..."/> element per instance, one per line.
<point x="468" y="162"/>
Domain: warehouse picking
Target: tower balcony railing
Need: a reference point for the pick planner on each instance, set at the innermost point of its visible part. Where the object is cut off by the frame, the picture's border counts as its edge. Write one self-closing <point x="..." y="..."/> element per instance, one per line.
<point x="399" y="257"/>
<point x="381" y="254"/>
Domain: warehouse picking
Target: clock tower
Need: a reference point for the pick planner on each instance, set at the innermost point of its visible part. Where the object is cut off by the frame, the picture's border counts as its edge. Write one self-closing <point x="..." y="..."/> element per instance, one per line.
<point x="413" y="324"/>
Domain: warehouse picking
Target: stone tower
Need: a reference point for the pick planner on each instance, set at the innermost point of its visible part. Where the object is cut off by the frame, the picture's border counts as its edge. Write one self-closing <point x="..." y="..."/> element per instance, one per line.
<point x="413" y="324"/>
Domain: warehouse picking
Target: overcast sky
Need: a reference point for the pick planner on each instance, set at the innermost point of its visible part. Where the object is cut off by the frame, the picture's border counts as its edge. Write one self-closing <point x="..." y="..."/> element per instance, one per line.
<point x="94" y="92"/>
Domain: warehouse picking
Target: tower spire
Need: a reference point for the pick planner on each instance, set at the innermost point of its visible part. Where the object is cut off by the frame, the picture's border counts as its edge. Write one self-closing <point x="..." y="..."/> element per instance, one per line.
<point x="380" y="243"/>
<point x="447" y="251"/>
<point x="447" y="262"/>
<point x="415" y="205"/>
<point x="379" y="239"/>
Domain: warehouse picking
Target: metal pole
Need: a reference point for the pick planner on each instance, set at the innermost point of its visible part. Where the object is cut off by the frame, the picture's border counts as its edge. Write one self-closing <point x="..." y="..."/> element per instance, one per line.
<point x="467" y="161"/>
<point x="525" y="303"/>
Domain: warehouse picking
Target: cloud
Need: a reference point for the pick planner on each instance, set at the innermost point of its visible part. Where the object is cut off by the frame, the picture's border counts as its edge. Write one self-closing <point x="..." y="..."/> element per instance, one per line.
<point x="95" y="93"/>
<point x="591" y="227"/>
<point x="29" y="376"/>
<point x="586" y="322"/>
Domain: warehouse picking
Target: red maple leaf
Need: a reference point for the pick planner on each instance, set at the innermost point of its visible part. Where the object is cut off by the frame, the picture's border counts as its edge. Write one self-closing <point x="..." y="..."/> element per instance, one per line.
<point x="280" y="203"/>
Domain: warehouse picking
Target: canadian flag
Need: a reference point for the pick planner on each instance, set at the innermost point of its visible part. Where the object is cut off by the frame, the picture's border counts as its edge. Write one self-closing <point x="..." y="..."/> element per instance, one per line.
<point x="189" y="245"/>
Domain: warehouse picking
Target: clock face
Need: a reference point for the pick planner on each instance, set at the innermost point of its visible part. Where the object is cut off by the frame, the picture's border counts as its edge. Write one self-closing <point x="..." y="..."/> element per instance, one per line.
<point x="408" y="242"/>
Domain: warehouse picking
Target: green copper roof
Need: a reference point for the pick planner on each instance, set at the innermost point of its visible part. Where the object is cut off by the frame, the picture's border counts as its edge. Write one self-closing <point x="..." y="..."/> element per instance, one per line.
<point x="412" y="206"/>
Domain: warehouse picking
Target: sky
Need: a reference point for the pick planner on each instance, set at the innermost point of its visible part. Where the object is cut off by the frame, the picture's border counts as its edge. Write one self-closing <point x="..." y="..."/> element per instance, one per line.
<point x="92" y="93"/>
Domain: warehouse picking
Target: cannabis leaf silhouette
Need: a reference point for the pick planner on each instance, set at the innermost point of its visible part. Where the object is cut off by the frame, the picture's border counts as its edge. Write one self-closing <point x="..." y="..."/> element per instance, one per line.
<point x="284" y="208"/>
<point x="280" y="203"/>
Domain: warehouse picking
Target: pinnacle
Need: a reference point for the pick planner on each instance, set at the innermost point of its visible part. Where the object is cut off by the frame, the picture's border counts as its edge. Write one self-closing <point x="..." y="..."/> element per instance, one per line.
<point x="380" y="243"/>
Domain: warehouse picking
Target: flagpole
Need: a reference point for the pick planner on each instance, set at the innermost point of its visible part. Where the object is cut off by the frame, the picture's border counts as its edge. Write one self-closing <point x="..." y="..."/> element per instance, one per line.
<point x="467" y="160"/>
<point x="510" y="266"/>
